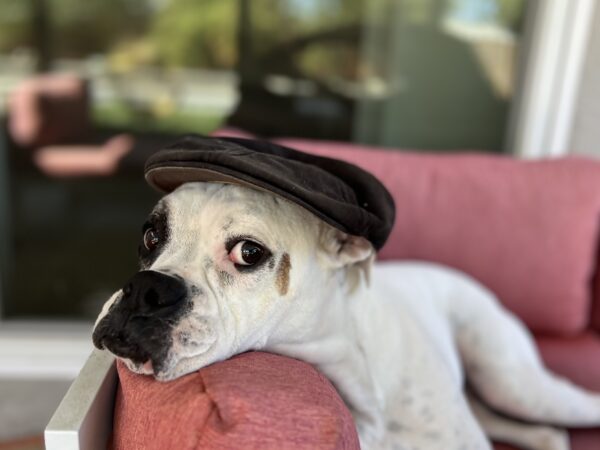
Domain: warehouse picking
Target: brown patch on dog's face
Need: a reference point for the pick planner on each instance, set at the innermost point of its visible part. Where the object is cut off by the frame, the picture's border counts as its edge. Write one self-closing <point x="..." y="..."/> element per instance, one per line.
<point x="283" y="274"/>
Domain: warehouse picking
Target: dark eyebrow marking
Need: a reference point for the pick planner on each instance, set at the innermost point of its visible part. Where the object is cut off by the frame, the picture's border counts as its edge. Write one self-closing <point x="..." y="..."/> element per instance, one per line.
<point x="283" y="274"/>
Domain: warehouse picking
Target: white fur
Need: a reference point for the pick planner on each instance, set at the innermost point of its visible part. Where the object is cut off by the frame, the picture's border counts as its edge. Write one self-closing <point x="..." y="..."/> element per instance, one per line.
<point x="398" y="348"/>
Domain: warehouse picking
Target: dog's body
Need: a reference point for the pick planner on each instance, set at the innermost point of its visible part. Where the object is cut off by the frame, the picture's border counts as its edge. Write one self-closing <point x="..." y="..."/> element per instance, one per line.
<point x="228" y="269"/>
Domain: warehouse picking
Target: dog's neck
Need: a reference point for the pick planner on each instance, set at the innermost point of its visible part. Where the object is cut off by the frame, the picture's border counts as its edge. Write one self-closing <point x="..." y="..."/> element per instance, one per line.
<point x="335" y="346"/>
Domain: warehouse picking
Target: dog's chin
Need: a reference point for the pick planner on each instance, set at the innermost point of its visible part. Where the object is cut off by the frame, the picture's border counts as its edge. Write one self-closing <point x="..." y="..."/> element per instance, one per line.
<point x="170" y="369"/>
<point x="145" y="368"/>
<point x="178" y="367"/>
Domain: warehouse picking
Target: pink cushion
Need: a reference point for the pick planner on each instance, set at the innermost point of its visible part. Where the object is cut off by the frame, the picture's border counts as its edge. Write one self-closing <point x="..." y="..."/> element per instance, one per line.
<point x="252" y="401"/>
<point x="526" y="230"/>
<point x="576" y="358"/>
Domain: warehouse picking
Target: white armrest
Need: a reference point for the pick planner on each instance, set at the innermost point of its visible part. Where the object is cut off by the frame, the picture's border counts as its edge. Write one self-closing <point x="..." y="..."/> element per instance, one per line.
<point x="83" y="420"/>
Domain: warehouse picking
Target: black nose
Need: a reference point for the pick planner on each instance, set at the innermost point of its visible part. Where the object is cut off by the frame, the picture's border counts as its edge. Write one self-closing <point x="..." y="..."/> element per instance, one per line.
<point x="154" y="289"/>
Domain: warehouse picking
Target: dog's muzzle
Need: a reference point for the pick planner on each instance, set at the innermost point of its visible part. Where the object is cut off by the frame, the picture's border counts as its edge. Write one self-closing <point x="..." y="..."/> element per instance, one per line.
<point x="138" y="325"/>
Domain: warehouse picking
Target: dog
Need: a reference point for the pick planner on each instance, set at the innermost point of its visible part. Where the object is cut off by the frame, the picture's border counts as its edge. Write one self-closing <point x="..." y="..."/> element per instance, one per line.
<point x="226" y="268"/>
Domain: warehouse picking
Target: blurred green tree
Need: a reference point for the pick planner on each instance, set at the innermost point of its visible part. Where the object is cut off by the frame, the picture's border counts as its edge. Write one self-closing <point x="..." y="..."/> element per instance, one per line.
<point x="192" y="33"/>
<point x="15" y="20"/>
<point x="82" y="28"/>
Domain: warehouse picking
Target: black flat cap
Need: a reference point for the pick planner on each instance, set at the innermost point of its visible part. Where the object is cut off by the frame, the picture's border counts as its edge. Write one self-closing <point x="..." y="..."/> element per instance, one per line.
<point x="342" y="194"/>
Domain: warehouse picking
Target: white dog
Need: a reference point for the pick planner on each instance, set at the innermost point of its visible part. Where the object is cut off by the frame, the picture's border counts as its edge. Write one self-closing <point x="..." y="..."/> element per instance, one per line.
<point x="226" y="269"/>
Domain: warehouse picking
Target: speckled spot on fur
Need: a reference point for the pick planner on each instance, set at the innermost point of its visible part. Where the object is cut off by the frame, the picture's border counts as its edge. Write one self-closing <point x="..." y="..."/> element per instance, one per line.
<point x="207" y="263"/>
<point x="432" y="435"/>
<point x="228" y="223"/>
<point x="394" y="426"/>
<point x="196" y="290"/>
<point x="225" y="278"/>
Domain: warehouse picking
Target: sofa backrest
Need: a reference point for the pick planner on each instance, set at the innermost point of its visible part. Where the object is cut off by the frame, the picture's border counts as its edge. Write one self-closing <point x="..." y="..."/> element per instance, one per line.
<point x="527" y="230"/>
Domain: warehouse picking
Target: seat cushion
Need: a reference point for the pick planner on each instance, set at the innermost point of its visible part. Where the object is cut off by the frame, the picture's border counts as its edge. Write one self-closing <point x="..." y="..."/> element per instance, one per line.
<point x="525" y="229"/>
<point x="253" y="401"/>
<point x="576" y="358"/>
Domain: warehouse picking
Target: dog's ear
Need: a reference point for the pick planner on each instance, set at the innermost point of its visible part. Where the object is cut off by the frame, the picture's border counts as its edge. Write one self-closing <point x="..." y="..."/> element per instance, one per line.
<point x="342" y="249"/>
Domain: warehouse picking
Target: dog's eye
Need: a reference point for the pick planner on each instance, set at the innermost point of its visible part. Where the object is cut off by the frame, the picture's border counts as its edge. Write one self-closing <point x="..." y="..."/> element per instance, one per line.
<point x="246" y="253"/>
<point x="151" y="239"/>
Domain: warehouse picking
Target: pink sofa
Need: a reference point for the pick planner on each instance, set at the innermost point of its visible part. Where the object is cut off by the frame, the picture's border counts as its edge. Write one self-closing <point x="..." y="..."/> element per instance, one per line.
<point x="527" y="230"/>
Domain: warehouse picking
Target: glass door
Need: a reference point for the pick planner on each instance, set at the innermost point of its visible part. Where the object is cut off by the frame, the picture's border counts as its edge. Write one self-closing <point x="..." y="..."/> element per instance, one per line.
<point x="442" y="74"/>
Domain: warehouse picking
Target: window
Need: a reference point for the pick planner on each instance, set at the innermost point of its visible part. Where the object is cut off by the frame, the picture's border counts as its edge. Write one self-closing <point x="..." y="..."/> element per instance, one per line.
<point x="411" y="74"/>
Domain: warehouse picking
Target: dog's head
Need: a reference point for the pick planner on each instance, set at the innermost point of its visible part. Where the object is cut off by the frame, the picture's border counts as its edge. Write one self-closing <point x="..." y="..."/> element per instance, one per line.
<point x="224" y="269"/>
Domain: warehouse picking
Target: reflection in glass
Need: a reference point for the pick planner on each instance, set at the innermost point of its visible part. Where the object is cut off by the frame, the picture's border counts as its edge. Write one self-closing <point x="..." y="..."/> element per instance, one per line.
<point x="408" y="74"/>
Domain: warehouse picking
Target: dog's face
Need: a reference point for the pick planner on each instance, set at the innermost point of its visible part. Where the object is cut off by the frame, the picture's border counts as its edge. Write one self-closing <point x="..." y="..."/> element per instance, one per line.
<point x="224" y="269"/>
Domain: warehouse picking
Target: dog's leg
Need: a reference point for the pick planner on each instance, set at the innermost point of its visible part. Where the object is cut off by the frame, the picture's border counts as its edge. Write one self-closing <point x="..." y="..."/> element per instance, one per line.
<point x="522" y="435"/>
<point x="456" y="428"/>
<point x="504" y="367"/>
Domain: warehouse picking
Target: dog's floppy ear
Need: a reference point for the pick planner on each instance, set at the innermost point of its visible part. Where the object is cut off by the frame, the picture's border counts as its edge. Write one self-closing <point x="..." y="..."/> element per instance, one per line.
<point x="341" y="249"/>
<point x="355" y="254"/>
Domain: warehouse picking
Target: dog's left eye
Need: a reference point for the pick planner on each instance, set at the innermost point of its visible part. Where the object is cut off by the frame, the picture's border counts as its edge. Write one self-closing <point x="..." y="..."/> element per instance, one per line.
<point x="246" y="253"/>
<point x="151" y="239"/>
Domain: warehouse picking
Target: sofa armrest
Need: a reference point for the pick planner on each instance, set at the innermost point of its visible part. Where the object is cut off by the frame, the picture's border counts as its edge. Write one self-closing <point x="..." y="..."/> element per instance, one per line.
<point x="254" y="400"/>
<point x="83" y="420"/>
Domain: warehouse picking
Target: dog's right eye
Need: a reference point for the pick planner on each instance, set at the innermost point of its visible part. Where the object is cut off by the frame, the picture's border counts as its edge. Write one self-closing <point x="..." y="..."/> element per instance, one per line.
<point x="246" y="253"/>
<point x="151" y="239"/>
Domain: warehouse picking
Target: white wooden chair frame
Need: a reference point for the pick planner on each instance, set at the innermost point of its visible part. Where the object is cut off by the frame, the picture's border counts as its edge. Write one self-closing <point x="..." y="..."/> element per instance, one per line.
<point x="83" y="420"/>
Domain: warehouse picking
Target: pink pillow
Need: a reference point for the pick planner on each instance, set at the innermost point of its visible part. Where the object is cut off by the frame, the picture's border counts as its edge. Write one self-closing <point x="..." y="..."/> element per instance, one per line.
<point x="576" y="358"/>
<point x="526" y="229"/>
<point x="253" y="401"/>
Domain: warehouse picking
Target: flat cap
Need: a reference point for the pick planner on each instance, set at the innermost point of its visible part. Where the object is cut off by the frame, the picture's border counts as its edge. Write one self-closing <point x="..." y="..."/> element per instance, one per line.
<point x="341" y="194"/>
